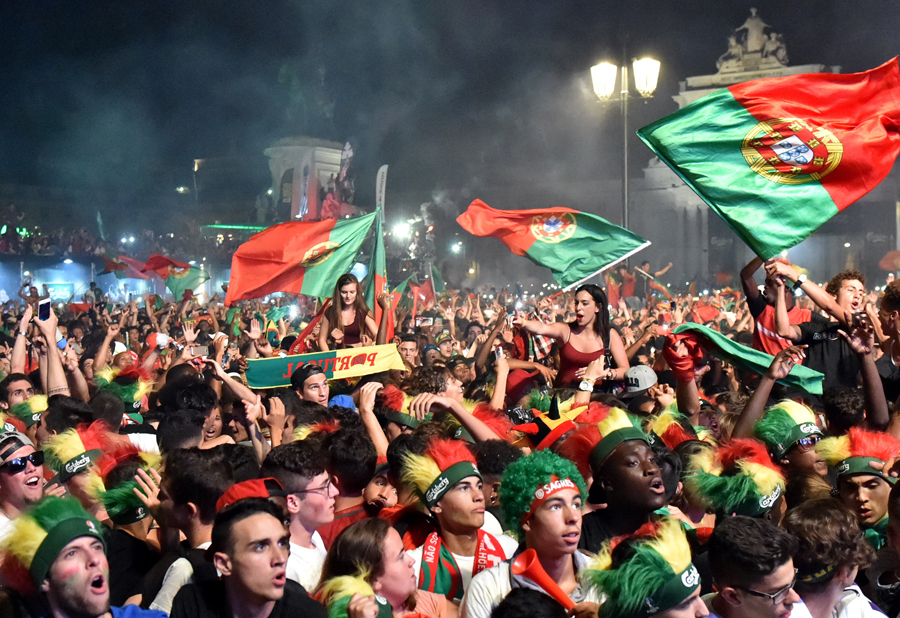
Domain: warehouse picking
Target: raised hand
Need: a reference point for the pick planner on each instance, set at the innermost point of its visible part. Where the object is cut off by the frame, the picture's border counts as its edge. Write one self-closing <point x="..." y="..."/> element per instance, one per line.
<point x="253" y="410"/>
<point x="147" y="490"/>
<point x="862" y="334"/>
<point x="255" y="330"/>
<point x="785" y="360"/>
<point x="190" y="334"/>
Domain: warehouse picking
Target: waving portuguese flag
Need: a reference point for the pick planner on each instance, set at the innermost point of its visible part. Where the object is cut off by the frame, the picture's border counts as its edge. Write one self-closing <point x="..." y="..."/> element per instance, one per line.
<point x="574" y="245"/>
<point x="776" y="158"/>
<point x="297" y="257"/>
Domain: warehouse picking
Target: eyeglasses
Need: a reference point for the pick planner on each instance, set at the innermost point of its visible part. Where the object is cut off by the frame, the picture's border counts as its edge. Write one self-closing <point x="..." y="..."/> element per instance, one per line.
<point x="324" y="490"/>
<point x="776" y="597"/>
<point x="14" y="466"/>
<point x="807" y="443"/>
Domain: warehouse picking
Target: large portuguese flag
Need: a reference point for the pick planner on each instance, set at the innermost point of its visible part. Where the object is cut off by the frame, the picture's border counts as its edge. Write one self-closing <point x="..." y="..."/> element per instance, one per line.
<point x="297" y="257"/>
<point x="574" y="245"/>
<point x="776" y="158"/>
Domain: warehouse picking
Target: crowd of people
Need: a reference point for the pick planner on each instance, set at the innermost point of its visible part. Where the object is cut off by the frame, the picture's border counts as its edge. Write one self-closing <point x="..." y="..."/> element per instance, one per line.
<point x="733" y="454"/>
<point x="188" y="244"/>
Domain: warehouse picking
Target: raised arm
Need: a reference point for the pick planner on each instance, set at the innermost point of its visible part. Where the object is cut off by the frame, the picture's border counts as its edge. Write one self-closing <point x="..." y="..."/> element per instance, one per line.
<point x="783" y="326"/>
<point x="819" y="296"/>
<point x="748" y="281"/>
<point x="56" y="375"/>
<point x="19" y="358"/>
<point x="778" y="369"/>
<point x="660" y="273"/>
<point x="861" y="340"/>
<point x="384" y="301"/>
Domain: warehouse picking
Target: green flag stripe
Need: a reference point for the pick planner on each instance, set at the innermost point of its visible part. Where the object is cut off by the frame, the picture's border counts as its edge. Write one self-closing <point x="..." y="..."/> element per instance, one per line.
<point x="719" y="345"/>
<point x="319" y="279"/>
<point x="702" y="144"/>
<point x="594" y="244"/>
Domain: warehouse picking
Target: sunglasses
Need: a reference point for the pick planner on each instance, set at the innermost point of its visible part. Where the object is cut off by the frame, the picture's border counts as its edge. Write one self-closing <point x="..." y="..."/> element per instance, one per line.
<point x="14" y="466"/>
<point x="807" y="443"/>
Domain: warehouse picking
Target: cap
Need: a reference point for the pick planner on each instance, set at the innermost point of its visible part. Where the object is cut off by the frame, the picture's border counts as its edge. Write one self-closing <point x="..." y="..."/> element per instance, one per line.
<point x="12" y="441"/>
<point x="441" y="338"/>
<point x="345" y="401"/>
<point x="638" y="381"/>
<point x="254" y="488"/>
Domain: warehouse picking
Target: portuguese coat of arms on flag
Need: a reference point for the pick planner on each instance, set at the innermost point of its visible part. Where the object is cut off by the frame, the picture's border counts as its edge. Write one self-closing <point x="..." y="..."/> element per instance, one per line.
<point x="776" y="158"/>
<point x="574" y="245"/>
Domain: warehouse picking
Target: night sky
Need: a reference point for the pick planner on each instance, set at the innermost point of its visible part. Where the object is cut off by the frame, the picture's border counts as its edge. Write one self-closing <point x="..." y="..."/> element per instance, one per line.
<point x="453" y="95"/>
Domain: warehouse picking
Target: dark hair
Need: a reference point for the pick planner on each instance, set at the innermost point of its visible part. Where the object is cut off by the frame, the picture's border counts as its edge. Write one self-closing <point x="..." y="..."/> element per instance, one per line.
<point x="302" y="411"/>
<point x="525" y="603"/>
<point x="123" y="472"/>
<point x="333" y="313"/>
<point x="844" y="407"/>
<point x="669" y="468"/>
<point x="303" y="373"/>
<point x="743" y="550"/>
<point x="351" y="459"/>
<point x="359" y="547"/>
<point x="179" y="429"/>
<point x="198" y="477"/>
<point x="430" y="379"/>
<point x="894" y="502"/>
<point x="835" y="283"/>
<point x="242" y="459"/>
<point x="408" y="338"/>
<point x="803" y="486"/>
<point x="601" y="322"/>
<point x="222" y="540"/>
<point x="197" y="397"/>
<point x="5" y="382"/>
<point x="177" y="378"/>
<point x="890" y="300"/>
<point x="294" y="464"/>
<point x="398" y="448"/>
<point x="828" y="539"/>
<point x="64" y="413"/>
<point x="493" y="456"/>
<point x="108" y="407"/>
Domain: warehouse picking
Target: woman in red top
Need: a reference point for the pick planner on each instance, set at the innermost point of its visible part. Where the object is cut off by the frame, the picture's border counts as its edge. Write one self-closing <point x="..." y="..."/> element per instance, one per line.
<point x="348" y="318"/>
<point x="585" y="339"/>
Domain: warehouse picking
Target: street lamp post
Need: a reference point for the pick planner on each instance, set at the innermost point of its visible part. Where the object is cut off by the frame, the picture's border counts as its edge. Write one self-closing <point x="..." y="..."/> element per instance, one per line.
<point x="603" y="76"/>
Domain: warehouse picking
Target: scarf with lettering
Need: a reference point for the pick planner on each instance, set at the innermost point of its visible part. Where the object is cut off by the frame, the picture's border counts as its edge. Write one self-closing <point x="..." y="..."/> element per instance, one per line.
<point x="440" y="573"/>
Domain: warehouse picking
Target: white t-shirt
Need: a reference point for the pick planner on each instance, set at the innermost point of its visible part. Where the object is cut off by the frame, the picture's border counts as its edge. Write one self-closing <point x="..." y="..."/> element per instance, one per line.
<point x="304" y="564"/>
<point x="467" y="563"/>
<point x="178" y="574"/>
<point x="5" y="526"/>
<point x="854" y="604"/>
<point x="491" y="586"/>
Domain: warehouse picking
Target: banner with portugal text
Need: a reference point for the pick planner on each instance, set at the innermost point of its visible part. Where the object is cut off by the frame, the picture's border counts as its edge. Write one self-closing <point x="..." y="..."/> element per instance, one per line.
<point x="349" y="363"/>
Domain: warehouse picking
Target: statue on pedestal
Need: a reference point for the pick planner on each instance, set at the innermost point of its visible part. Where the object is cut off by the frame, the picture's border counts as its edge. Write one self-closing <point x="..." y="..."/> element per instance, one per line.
<point x="753" y="47"/>
<point x="752" y="34"/>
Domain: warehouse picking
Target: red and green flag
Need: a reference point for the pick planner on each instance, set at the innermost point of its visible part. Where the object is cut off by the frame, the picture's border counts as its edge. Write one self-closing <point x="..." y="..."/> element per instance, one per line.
<point x="574" y="245"/>
<point x="437" y="282"/>
<point x="376" y="282"/>
<point x="299" y="257"/>
<point x="123" y="267"/>
<point x="182" y="280"/>
<point x="160" y="264"/>
<point x="776" y="158"/>
<point x="659" y="287"/>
